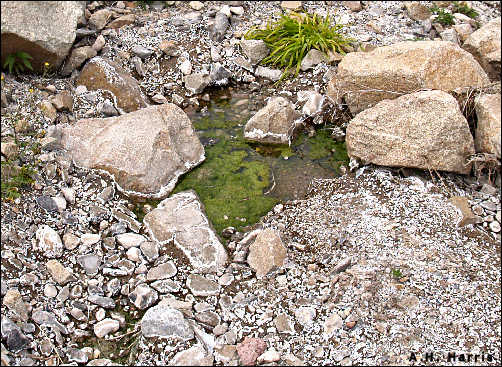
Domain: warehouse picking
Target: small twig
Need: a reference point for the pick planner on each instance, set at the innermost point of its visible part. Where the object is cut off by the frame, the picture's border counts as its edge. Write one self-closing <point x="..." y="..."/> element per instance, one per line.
<point x="135" y="330"/>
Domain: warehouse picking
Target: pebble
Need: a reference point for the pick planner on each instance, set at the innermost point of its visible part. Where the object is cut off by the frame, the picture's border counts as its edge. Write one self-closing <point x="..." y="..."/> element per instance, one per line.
<point x="105" y="327"/>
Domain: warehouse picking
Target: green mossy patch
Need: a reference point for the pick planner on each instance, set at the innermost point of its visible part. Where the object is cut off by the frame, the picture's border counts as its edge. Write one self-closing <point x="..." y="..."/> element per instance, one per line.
<point x="230" y="184"/>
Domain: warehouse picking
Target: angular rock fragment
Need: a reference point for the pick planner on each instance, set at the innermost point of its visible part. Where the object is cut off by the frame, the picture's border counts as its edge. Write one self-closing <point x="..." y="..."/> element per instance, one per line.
<point x="181" y="219"/>
<point x="272" y="123"/>
<point x="44" y="29"/>
<point x="200" y="286"/>
<point x="101" y="73"/>
<point x="488" y="131"/>
<point x="165" y="322"/>
<point x="484" y="45"/>
<point x="266" y="252"/>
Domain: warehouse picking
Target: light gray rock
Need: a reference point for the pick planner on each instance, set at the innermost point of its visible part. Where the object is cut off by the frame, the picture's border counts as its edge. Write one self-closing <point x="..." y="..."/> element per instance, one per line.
<point x="143" y="159"/>
<point x="162" y="271"/>
<point x="218" y="28"/>
<point x="424" y="130"/>
<point x="143" y="296"/>
<point x="201" y="286"/>
<point x="305" y="315"/>
<point x="181" y="219"/>
<point x="129" y="239"/>
<point x="166" y="286"/>
<point x="268" y="73"/>
<point x="49" y="242"/>
<point x="105" y="302"/>
<point x="150" y="250"/>
<point x="105" y="327"/>
<point x="255" y="50"/>
<point x="141" y="51"/>
<point x="196" y="82"/>
<point x="272" y="123"/>
<point x="165" y="322"/>
<point x="219" y="75"/>
<point x="266" y="252"/>
<point x="449" y="35"/>
<point x="90" y="263"/>
<point x="46" y="30"/>
<point x="49" y="319"/>
<point x="312" y="58"/>
<point x="193" y="356"/>
<point x="78" y="56"/>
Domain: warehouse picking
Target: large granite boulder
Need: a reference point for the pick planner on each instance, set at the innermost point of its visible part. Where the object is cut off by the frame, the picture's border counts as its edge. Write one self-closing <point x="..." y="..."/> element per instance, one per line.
<point x="181" y="219"/>
<point x="423" y="130"/>
<point x="144" y="151"/>
<point x="44" y="29"/>
<point x="488" y="131"/>
<point x="272" y="123"/>
<point x="484" y="44"/>
<point x="365" y="78"/>
<point x="101" y="73"/>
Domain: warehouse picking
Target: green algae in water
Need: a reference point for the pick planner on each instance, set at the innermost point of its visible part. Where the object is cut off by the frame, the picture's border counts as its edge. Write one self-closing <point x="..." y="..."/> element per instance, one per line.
<point x="232" y="180"/>
<point x="230" y="185"/>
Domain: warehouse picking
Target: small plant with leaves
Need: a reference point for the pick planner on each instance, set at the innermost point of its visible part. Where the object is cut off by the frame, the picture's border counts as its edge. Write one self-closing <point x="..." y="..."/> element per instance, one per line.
<point x="463" y="8"/>
<point x="144" y="3"/>
<point x="396" y="274"/>
<point x="17" y="62"/>
<point x="443" y="17"/>
<point x="15" y="178"/>
<point x="294" y="35"/>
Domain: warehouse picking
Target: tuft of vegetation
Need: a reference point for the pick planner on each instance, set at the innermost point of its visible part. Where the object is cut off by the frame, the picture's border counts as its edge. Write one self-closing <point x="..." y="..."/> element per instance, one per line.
<point x="463" y="8"/>
<point x="17" y="62"/>
<point x="396" y="273"/>
<point x="294" y="35"/>
<point x="443" y="17"/>
<point x="15" y="178"/>
<point x="144" y="3"/>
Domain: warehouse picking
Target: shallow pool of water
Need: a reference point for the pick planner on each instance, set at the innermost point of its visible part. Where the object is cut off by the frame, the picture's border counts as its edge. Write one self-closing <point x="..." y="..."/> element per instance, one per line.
<point x="240" y="181"/>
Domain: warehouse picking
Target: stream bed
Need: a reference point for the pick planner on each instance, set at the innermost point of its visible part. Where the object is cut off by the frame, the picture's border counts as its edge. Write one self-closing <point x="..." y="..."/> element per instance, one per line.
<point x="241" y="181"/>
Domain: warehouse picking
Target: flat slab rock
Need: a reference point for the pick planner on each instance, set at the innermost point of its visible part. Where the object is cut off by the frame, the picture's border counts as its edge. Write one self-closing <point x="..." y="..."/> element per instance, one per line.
<point x="424" y="130"/>
<point x="181" y="219"/>
<point x="144" y="151"/>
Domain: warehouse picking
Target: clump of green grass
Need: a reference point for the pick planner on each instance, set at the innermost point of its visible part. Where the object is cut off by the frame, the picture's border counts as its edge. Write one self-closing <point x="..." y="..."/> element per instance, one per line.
<point x="14" y="178"/>
<point x="443" y="17"/>
<point x="463" y="8"/>
<point x="17" y="62"/>
<point x="294" y="35"/>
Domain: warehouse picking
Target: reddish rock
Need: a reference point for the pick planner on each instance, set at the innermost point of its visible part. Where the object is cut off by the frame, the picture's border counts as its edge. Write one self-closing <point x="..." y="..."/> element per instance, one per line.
<point x="250" y="349"/>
